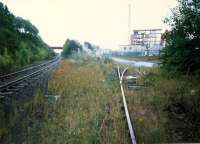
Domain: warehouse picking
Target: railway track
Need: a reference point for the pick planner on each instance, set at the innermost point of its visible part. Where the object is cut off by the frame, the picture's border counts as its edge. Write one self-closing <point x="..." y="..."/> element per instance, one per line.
<point x="13" y="83"/>
<point x="129" y="123"/>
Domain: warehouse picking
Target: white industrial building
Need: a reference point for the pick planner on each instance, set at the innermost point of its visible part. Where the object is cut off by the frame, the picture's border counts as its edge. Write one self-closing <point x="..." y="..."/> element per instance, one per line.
<point x="144" y="42"/>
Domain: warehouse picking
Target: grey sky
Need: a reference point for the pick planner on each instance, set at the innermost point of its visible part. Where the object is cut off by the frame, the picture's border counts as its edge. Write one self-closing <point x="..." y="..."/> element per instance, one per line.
<point x="103" y="22"/>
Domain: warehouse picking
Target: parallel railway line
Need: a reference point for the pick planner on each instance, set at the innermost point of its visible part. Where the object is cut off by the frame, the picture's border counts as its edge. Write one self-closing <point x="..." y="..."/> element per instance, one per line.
<point x="11" y="84"/>
<point x="14" y="82"/>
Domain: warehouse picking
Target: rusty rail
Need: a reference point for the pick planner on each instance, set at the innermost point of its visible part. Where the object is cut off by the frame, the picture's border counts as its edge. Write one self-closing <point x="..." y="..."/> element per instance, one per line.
<point x="130" y="125"/>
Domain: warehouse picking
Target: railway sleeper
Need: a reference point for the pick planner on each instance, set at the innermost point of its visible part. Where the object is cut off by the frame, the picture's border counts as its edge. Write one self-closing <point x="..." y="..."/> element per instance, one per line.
<point x="24" y="84"/>
<point x="20" y="86"/>
<point x="13" y="89"/>
<point x="6" y="93"/>
<point x="25" y="88"/>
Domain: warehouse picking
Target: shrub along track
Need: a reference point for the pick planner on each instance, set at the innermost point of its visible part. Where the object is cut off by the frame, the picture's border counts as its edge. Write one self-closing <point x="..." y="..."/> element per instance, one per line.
<point x="88" y="107"/>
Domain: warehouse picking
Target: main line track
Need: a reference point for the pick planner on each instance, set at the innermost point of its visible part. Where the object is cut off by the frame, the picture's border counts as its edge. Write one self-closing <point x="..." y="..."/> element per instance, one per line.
<point x="11" y="83"/>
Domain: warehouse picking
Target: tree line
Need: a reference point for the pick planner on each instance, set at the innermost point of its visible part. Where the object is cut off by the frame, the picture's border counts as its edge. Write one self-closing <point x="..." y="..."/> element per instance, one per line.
<point x="181" y="61"/>
<point x="20" y="43"/>
<point x="71" y="47"/>
<point x="182" y="51"/>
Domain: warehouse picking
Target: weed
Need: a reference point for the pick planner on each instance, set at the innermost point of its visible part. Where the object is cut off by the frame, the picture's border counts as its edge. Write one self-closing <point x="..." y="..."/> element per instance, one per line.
<point x="88" y="110"/>
<point x="165" y="109"/>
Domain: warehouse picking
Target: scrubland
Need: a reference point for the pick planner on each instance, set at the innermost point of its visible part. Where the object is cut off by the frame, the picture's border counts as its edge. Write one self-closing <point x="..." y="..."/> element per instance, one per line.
<point x="88" y="110"/>
<point x="166" y="108"/>
<point x="83" y="105"/>
<point x="141" y="58"/>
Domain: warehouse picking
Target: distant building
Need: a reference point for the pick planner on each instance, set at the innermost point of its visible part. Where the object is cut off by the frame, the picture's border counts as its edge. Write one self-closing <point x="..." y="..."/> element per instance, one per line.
<point x="102" y="52"/>
<point x="133" y="50"/>
<point x="144" y="42"/>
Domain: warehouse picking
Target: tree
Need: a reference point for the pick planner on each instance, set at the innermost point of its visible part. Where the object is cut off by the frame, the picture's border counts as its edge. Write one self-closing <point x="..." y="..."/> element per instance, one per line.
<point x="20" y="43"/>
<point x="70" y="47"/>
<point x="6" y="18"/>
<point x="89" y="46"/>
<point x="182" y="50"/>
<point x="25" y="27"/>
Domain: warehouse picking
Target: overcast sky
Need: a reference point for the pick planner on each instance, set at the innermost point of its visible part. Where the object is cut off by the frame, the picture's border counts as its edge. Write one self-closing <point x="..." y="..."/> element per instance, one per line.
<point x="102" y="22"/>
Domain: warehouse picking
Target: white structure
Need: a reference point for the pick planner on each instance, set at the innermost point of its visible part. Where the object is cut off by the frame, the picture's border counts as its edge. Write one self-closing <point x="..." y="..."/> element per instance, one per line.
<point x="101" y="52"/>
<point x="144" y="42"/>
<point x="86" y="50"/>
<point x="130" y="48"/>
<point x="133" y="49"/>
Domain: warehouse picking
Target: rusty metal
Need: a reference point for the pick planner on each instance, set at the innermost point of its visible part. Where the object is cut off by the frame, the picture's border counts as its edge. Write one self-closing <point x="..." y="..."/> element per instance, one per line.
<point x="130" y="125"/>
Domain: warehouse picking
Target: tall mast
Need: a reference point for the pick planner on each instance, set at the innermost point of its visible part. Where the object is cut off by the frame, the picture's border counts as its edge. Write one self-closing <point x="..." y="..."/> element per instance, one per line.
<point x="129" y="24"/>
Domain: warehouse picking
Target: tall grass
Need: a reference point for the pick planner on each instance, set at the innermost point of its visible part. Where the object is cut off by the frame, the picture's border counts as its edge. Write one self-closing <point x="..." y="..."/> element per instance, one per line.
<point x="88" y="110"/>
<point x="166" y="109"/>
<point x="22" y="120"/>
<point x="83" y="106"/>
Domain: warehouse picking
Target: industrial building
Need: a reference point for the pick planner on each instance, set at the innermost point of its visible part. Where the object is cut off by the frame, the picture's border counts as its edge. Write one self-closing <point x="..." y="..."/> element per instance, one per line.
<point x="144" y="42"/>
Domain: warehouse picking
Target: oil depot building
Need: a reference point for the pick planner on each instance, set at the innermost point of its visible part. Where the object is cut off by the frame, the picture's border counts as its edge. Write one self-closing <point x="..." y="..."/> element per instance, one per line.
<point x="144" y="42"/>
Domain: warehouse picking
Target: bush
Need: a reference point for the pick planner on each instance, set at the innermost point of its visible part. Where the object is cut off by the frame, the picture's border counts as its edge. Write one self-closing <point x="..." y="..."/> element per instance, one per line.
<point x="20" y="43"/>
<point x="183" y="113"/>
<point x="71" y="47"/>
<point x="6" y="61"/>
<point x="182" y="50"/>
<point x="24" y="54"/>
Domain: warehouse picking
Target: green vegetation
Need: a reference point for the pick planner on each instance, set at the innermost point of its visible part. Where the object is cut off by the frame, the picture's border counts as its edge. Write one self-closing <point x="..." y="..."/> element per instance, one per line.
<point x="87" y="108"/>
<point x="165" y="109"/>
<point x="71" y="47"/>
<point x="20" y="43"/>
<point x="85" y="101"/>
<point x="182" y="51"/>
<point x="22" y="121"/>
